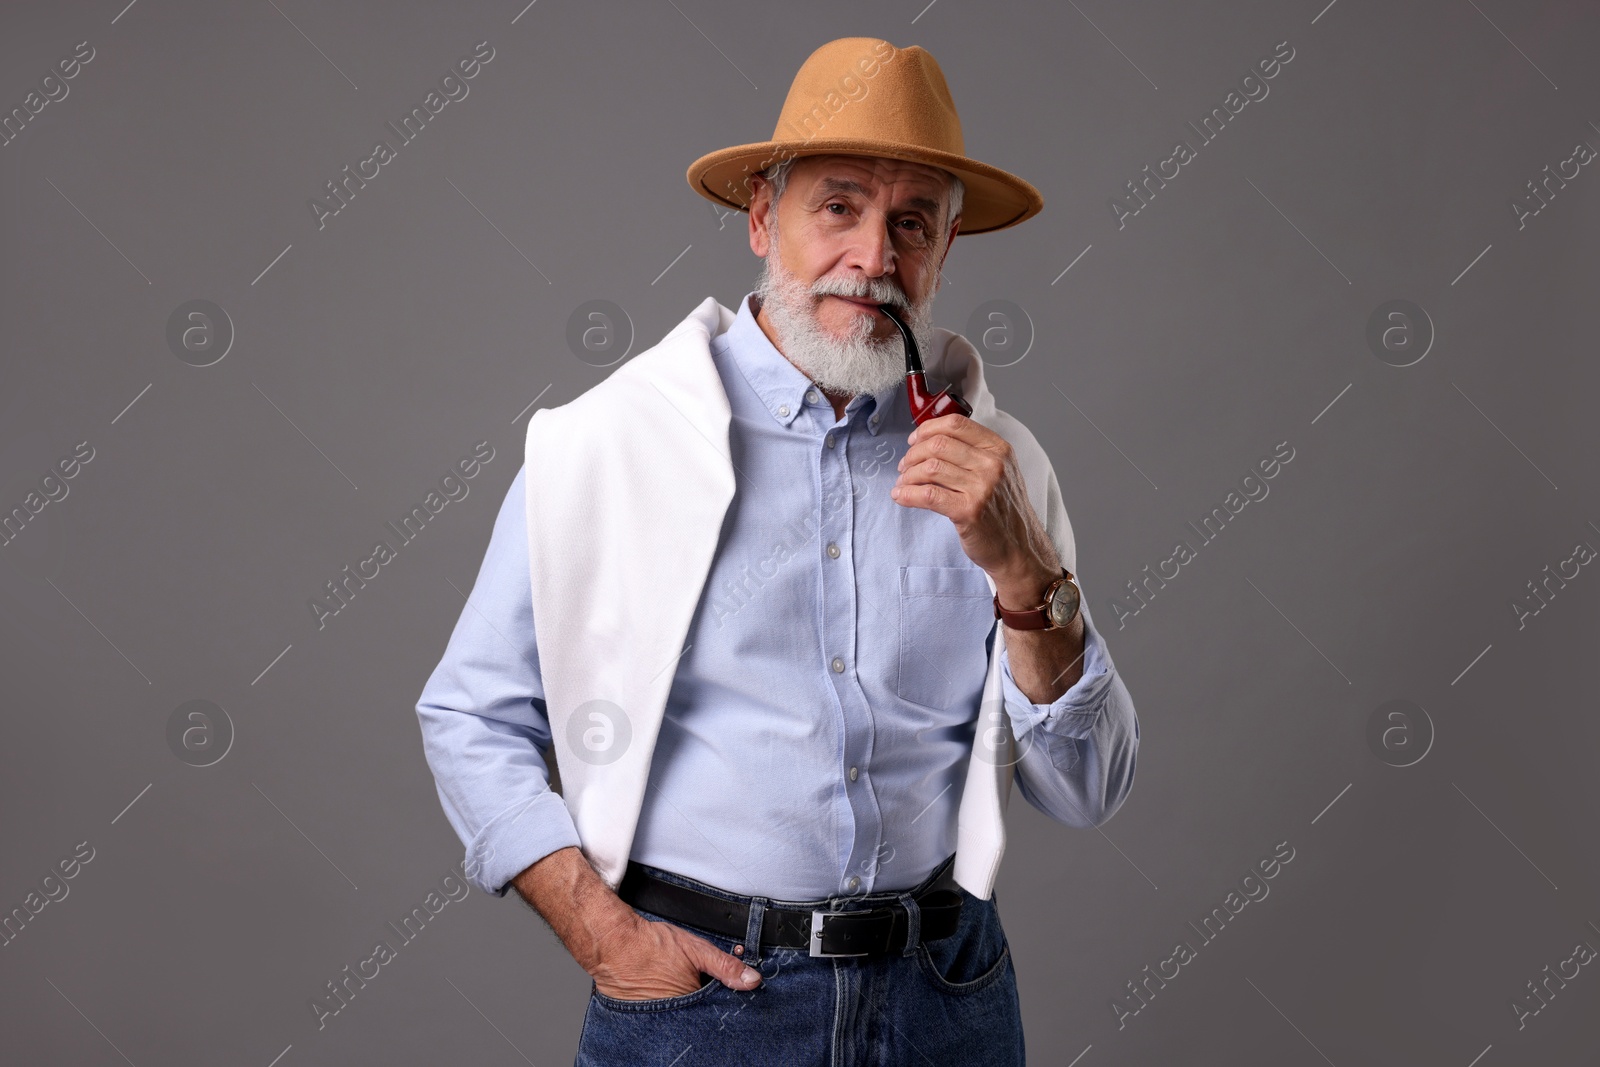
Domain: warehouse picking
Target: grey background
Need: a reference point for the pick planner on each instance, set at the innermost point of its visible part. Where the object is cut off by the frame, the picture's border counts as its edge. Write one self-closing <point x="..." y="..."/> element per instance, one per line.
<point x="1224" y="318"/>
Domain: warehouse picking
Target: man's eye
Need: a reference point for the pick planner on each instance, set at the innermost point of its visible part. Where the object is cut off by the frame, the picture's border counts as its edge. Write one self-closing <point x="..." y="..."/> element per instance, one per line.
<point x="835" y="204"/>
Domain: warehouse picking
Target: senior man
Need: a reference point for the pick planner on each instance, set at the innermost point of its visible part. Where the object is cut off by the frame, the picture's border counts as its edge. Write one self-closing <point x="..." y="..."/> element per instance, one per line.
<point x="792" y="649"/>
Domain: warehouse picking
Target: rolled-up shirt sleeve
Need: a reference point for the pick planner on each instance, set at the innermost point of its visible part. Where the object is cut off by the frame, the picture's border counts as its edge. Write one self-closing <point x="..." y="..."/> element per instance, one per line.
<point x="485" y="728"/>
<point x="1076" y="755"/>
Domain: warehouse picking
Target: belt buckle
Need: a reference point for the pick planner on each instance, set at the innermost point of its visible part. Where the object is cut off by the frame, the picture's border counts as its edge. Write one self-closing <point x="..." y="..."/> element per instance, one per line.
<point x="816" y="935"/>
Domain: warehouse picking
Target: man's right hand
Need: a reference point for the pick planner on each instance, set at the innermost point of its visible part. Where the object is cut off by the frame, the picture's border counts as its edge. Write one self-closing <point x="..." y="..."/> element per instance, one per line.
<point x="628" y="956"/>
<point x="644" y="960"/>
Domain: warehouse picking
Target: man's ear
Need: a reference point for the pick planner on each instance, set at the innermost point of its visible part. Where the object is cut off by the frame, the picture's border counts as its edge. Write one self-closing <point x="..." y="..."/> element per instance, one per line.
<point x="760" y="215"/>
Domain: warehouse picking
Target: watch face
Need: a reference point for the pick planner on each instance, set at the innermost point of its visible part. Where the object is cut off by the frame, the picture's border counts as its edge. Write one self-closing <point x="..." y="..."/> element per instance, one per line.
<point x="1064" y="604"/>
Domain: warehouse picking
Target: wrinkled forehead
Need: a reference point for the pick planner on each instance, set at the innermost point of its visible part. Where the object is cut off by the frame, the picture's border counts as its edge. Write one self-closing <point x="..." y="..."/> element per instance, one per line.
<point x="900" y="181"/>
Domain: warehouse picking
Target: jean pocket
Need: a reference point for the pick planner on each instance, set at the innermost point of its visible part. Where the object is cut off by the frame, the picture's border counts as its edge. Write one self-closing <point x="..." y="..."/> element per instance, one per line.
<point x="682" y="1000"/>
<point x="941" y="975"/>
<point x="946" y="614"/>
<point x="974" y="956"/>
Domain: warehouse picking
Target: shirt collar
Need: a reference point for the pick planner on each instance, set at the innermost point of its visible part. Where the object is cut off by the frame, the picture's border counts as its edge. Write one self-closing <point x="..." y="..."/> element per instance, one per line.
<point x="783" y="388"/>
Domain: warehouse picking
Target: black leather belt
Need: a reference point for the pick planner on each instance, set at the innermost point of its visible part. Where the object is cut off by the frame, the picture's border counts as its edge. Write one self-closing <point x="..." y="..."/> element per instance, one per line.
<point x="825" y="929"/>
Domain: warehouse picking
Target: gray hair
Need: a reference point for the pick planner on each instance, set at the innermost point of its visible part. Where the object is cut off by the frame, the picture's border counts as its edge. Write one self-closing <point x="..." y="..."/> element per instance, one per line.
<point x="778" y="175"/>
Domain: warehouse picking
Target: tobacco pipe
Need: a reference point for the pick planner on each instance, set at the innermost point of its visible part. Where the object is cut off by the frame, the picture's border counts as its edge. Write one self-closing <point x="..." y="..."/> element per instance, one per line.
<point x="924" y="405"/>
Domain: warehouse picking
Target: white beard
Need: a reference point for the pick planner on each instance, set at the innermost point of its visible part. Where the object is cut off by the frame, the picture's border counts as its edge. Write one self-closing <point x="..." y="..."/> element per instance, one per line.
<point x="855" y="363"/>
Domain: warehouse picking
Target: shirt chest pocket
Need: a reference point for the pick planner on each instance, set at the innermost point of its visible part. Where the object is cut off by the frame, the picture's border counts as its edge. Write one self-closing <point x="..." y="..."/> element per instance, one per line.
<point x="946" y="614"/>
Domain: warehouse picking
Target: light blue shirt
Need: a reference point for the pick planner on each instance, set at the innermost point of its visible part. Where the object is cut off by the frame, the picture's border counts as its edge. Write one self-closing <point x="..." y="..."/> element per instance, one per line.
<point x="817" y="731"/>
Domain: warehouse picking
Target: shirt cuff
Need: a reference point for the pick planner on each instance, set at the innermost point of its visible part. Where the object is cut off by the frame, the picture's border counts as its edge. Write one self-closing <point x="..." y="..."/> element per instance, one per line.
<point x="1078" y="707"/>
<point x="518" y="838"/>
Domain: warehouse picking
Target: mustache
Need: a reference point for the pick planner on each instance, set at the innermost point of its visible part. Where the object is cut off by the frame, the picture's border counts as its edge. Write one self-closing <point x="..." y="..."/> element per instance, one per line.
<point x="877" y="290"/>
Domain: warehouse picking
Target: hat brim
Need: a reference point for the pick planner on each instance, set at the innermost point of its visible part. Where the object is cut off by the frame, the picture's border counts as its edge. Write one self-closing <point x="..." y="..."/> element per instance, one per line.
<point x="993" y="199"/>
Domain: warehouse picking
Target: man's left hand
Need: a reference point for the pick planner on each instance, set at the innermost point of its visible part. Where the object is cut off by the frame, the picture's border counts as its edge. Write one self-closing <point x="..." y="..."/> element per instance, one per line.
<point x="969" y="474"/>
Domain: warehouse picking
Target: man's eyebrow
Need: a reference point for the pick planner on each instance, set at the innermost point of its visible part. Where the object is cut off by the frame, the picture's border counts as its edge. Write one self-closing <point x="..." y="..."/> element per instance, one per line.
<point x="829" y="186"/>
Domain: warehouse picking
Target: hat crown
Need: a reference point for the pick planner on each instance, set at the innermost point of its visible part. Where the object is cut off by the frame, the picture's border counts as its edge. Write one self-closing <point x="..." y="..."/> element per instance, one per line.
<point x="862" y="96"/>
<point x="865" y="88"/>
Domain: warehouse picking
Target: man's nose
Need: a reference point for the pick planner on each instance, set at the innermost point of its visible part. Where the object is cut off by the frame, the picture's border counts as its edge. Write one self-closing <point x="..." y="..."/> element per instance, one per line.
<point x="873" y="251"/>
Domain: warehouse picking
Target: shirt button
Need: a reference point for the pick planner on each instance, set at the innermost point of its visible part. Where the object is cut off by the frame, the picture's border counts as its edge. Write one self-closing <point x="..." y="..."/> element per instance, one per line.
<point x="853" y="883"/>
<point x="829" y="440"/>
<point x="852" y="774"/>
<point x="784" y="410"/>
<point x="838" y="665"/>
<point x="833" y="550"/>
<point x="811" y="396"/>
<point x="873" y="420"/>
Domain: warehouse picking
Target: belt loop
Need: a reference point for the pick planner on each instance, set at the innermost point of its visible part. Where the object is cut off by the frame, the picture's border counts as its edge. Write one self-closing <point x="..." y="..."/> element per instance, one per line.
<point x="752" y="931"/>
<point x="913" y="922"/>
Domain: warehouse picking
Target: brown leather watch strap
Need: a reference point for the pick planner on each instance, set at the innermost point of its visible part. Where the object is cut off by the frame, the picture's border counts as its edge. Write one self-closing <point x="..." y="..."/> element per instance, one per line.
<point x="1035" y="618"/>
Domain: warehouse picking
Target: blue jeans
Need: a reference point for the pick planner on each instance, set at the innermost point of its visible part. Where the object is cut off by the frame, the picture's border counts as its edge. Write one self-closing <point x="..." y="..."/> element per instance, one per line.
<point x="951" y="1002"/>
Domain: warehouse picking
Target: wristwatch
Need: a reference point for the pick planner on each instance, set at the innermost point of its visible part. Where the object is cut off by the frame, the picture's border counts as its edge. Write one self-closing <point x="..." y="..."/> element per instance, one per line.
<point x="1060" y="607"/>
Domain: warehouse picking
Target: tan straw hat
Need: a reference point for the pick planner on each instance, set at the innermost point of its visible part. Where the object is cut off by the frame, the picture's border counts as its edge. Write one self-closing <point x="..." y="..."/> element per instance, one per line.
<point x="862" y="96"/>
